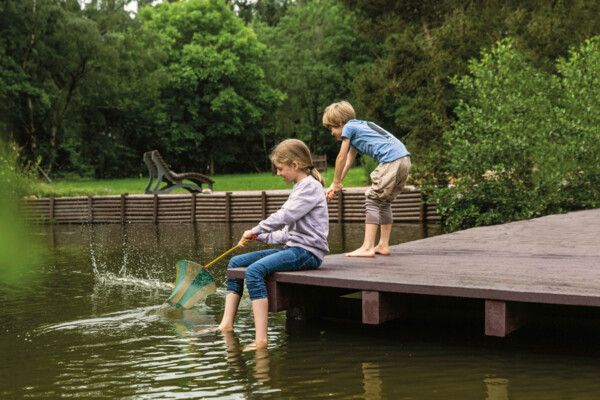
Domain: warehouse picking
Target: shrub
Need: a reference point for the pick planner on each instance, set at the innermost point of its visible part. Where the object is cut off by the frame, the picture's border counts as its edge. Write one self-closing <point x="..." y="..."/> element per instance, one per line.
<point x="17" y="255"/>
<point x="521" y="145"/>
<point x="369" y="164"/>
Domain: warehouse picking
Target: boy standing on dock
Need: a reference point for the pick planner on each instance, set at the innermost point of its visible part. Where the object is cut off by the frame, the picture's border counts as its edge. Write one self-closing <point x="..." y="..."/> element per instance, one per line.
<point x="388" y="179"/>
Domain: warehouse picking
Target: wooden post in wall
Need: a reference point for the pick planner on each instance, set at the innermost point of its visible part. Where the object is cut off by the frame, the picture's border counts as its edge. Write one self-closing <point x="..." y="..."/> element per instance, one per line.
<point x="228" y="207"/>
<point x="123" y="205"/>
<point x="193" y="208"/>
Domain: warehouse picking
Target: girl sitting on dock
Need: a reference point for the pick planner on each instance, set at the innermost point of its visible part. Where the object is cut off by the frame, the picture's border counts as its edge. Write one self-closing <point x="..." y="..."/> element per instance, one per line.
<point x="301" y="224"/>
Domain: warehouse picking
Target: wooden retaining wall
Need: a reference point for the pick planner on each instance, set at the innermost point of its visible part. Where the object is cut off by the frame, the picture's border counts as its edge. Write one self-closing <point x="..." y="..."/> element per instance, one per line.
<point x="216" y="207"/>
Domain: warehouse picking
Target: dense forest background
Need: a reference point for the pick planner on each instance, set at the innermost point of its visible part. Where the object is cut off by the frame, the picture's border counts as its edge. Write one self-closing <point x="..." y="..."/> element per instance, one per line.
<point x="484" y="94"/>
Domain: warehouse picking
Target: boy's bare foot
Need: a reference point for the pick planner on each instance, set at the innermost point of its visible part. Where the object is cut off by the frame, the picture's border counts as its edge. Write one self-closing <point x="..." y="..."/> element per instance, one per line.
<point x="255" y="346"/>
<point x="362" y="253"/>
<point x="384" y="251"/>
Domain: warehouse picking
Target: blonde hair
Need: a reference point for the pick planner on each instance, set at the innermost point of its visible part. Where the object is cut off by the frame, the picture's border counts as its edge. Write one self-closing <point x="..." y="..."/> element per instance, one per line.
<point x="291" y="150"/>
<point x="338" y="113"/>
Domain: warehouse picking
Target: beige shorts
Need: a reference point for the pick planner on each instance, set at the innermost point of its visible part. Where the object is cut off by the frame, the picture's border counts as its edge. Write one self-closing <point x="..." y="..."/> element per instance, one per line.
<point x="388" y="179"/>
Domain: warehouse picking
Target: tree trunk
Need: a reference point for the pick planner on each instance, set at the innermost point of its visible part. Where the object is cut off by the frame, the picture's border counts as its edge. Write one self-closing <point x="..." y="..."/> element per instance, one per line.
<point x="439" y="89"/>
<point x="52" y="148"/>
<point x="31" y="146"/>
<point x="264" y="140"/>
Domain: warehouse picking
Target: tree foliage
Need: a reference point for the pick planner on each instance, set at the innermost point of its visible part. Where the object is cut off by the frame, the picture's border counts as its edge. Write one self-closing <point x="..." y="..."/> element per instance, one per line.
<point x="420" y="45"/>
<point x="215" y="84"/>
<point x="68" y="76"/>
<point x="525" y="143"/>
<point x="216" y="92"/>
<point x="314" y="57"/>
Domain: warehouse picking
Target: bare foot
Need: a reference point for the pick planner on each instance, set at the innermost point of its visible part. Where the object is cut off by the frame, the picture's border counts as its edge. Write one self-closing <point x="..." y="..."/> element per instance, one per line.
<point x="255" y="346"/>
<point x="224" y="328"/>
<point x="383" y="250"/>
<point x="215" y="329"/>
<point x="207" y="330"/>
<point x="361" y="253"/>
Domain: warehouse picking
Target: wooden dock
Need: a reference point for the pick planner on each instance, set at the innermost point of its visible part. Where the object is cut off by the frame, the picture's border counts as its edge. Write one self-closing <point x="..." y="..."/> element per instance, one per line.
<point x="508" y="269"/>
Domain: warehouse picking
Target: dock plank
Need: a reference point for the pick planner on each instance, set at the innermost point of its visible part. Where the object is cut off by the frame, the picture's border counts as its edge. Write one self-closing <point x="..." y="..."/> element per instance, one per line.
<point x="553" y="260"/>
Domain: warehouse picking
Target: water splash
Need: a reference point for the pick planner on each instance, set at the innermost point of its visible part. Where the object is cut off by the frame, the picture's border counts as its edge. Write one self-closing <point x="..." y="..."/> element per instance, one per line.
<point x="121" y="320"/>
<point x="104" y="276"/>
<point x="108" y="278"/>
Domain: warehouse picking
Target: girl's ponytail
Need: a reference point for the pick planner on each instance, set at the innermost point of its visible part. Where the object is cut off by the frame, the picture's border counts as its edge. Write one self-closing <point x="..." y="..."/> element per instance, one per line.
<point x="315" y="174"/>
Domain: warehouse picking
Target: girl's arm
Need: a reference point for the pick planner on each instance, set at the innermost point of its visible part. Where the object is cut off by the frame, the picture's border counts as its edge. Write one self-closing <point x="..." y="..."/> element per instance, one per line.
<point x="296" y="207"/>
<point x="278" y="237"/>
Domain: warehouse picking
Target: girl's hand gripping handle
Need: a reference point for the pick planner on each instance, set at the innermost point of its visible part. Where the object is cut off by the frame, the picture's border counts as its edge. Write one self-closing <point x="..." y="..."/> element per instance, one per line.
<point x="248" y="236"/>
<point x="242" y="243"/>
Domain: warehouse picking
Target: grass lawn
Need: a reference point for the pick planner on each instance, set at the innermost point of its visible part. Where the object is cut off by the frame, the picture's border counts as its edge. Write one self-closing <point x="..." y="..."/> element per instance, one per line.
<point x="233" y="182"/>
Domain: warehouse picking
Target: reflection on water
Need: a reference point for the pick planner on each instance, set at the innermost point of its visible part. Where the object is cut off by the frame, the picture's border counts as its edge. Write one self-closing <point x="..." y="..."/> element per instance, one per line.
<point x="372" y="381"/>
<point x="497" y="388"/>
<point x="89" y="324"/>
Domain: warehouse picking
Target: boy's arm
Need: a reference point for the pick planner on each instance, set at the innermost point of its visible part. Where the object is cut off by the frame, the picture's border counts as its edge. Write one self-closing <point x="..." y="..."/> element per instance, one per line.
<point x="343" y="162"/>
<point x="349" y="161"/>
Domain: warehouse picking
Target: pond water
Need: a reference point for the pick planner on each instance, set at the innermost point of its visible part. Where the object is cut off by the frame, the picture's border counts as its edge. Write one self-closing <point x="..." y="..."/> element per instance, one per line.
<point x="81" y="325"/>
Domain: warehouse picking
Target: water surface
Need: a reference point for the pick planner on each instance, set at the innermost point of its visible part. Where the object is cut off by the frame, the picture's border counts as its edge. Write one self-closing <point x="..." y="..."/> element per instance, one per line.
<point x="82" y="325"/>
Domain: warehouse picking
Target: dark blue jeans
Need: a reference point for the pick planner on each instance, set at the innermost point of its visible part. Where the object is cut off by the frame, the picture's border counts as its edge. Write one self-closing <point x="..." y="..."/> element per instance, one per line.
<point x="265" y="262"/>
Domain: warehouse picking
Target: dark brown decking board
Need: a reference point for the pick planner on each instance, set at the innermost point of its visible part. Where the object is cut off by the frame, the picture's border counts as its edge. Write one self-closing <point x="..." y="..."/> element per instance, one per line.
<point x="553" y="259"/>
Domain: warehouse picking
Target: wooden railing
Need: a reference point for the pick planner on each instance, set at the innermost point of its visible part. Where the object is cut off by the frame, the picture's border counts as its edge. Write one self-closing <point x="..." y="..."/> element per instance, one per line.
<point x="216" y="207"/>
<point x="320" y="162"/>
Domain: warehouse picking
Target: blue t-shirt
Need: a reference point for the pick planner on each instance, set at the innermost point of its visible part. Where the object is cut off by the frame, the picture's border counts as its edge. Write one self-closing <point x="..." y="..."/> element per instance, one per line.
<point x="371" y="139"/>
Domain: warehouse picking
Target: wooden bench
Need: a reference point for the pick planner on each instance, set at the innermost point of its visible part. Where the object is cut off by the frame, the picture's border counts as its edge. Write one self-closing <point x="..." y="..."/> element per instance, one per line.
<point x="159" y="170"/>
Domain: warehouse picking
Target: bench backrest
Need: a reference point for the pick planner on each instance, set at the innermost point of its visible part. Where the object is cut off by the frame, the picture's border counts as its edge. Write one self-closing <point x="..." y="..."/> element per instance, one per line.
<point x="162" y="166"/>
<point x="150" y="164"/>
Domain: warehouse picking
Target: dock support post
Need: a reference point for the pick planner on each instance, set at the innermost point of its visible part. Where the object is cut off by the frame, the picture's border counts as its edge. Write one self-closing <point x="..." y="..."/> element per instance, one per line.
<point x="278" y="301"/>
<point x="284" y="296"/>
<point x="502" y="318"/>
<point x="379" y="307"/>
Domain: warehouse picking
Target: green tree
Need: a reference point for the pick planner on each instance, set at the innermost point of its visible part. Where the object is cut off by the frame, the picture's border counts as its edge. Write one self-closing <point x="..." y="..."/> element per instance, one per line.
<point x="418" y="46"/>
<point x="314" y="55"/>
<point x="264" y="11"/>
<point x="119" y="113"/>
<point x="216" y="95"/>
<point x="580" y="114"/>
<point x="526" y="142"/>
<point x="52" y="50"/>
<point x="64" y="71"/>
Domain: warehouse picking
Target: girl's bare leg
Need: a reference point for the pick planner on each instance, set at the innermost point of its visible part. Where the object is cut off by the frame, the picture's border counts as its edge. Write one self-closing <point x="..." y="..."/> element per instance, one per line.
<point x="260" y="308"/>
<point x="232" y="301"/>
